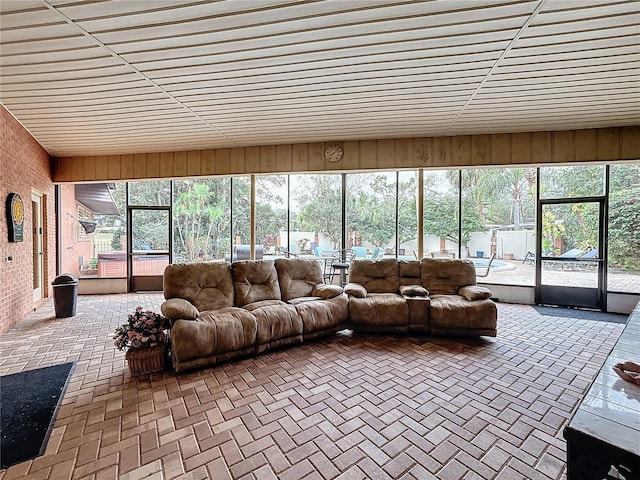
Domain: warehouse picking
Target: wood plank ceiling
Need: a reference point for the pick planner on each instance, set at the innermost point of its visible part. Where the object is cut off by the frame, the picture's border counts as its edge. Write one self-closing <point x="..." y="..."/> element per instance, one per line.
<point x="101" y="77"/>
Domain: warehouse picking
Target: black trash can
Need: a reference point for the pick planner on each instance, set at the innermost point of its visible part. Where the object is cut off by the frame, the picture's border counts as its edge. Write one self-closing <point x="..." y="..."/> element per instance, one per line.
<point x="65" y="295"/>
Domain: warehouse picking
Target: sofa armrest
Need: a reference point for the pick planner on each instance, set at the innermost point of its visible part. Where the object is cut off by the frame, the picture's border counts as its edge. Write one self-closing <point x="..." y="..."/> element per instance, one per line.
<point x="414" y="291"/>
<point x="326" y="291"/>
<point x="179" y="308"/>
<point x="355" y="290"/>
<point x="474" y="292"/>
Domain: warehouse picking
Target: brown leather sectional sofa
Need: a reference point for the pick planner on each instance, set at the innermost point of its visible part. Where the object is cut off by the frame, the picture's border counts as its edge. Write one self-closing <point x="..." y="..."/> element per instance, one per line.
<point x="220" y="311"/>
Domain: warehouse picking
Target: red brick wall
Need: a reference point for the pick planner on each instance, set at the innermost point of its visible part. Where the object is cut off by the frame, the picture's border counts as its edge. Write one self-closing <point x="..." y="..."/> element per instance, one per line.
<point x="72" y="247"/>
<point x="24" y="167"/>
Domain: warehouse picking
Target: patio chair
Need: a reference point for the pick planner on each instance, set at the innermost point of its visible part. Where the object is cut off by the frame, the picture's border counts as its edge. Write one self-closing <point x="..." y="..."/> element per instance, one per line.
<point x="377" y="253"/>
<point x="529" y="258"/>
<point x="359" y="252"/>
<point x="340" y="264"/>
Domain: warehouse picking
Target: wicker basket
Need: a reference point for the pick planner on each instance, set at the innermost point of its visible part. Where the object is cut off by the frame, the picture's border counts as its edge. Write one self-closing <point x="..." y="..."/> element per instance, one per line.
<point x="146" y="360"/>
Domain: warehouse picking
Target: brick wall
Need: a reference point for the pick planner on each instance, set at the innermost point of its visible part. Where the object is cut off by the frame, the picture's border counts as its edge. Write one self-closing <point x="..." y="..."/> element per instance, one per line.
<point x="24" y="167"/>
<point x="72" y="246"/>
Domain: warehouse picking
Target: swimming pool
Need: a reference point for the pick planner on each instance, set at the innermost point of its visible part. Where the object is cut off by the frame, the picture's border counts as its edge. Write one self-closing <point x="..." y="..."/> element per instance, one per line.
<point x="496" y="265"/>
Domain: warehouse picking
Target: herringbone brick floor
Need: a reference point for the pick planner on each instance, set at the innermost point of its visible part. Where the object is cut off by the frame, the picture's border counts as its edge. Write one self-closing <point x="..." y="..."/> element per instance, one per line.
<point x="351" y="406"/>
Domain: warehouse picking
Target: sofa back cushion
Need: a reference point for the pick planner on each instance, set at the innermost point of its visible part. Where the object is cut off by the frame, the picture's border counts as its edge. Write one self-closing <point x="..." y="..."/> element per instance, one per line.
<point x="445" y="276"/>
<point x="297" y="277"/>
<point x="207" y="285"/>
<point x="409" y="271"/>
<point x="255" y="280"/>
<point x="377" y="276"/>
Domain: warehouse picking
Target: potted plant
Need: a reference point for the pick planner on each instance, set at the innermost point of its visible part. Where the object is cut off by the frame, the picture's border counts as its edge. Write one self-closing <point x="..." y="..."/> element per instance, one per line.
<point x="144" y="340"/>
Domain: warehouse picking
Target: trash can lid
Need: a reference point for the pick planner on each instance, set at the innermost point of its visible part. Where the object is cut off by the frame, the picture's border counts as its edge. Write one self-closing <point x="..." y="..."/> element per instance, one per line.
<point x="65" y="279"/>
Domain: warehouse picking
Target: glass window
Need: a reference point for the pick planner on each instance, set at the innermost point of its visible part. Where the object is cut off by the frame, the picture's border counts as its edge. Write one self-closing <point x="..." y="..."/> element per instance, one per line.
<point x="241" y="213"/>
<point x="572" y="182"/>
<point x="201" y="219"/>
<point x="623" y="273"/>
<point x="151" y="193"/>
<point x="93" y="228"/>
<point x="441" y="213"/>
<point x="498" y="216"/>
<point x="371" y="211"/>
<point x="316" y="209"/>
<point x="407" y="215"/>
<point x="271" y="216"/>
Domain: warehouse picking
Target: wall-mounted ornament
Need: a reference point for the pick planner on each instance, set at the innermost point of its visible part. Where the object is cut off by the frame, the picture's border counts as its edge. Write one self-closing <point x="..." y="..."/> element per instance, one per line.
<point x="15" y="217"/>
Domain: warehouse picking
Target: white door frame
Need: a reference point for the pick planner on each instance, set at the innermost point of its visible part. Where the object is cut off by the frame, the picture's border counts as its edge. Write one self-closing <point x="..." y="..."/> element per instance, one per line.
<point x="37" y="231"/>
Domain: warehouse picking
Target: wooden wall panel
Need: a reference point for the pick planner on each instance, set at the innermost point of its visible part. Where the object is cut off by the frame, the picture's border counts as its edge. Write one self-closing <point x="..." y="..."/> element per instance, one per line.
<point x="89" y="168"/>
<point x="525" y="148"/>
<point x="268" y="159"/>
<point x="102" y="168"/>
<point x="299" y="157"/>
<point x="193" y="163"/>
<point x="386" y="154"/>
<point x="230" y="160"/>
<point x="180" y="164"/>
<point x="252" y="159"/>
<point x="140" y="165"/>
<point x="608" y="143"/>
<point x="166" y="165"/>
<point x="368" y="154"/>
<point x="153" y="165"/>
<point x="442" y="155"/>
<point x="316" y="157"/>
<point x="563" y="147"/>
<point x="585" y="145"/>
<point x="630" y="142"/>
<point x="404" y="153"/>
<point x="283" y="158"/>
<point x="480" y="150"/>
<point x="423" y="152"/>
<point x="500" y="149"/>
<point x="350" y="156"/>
<point x="521" y="152"/>
<point x="126" y="166"/>
<point x="541" y="147"/>
<point x="208" y="162"/>
<point x="461" y="150"/>
<point x="114" y="167"/>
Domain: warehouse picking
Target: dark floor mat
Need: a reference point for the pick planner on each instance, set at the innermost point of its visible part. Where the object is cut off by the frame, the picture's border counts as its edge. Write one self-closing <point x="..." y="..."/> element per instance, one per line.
<point x="581" y="314"/>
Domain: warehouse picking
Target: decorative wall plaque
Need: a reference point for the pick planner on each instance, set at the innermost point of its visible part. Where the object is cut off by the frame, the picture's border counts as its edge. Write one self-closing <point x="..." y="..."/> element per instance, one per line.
<point x="15" y="217"/>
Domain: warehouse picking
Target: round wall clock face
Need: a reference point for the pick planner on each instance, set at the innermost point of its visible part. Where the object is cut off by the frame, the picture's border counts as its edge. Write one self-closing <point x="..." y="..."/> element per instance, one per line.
<point x="333" y="153"/>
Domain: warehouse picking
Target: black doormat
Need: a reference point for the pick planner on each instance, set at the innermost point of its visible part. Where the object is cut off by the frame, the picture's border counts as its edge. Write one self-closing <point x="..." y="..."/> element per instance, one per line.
<point x="581" y="314"/>
<point x="29" y="403"/>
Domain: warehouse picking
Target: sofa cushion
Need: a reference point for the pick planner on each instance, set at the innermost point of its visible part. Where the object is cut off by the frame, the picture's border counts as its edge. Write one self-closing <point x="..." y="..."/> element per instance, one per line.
<point x="376" y="276"/>
<point x="444" y="276"/>
<point x="206" y="285"/>
<point x="474" y="292"/>
<point x="225" y="330"/>
<point x="297" y="277"/>
<point x="379" y="312"/>
<point x="414" y="291"/>
<point x="409" y="272"/>
<point x="255" y="280"/>
<point x="323" y="315"/>
<point x="179" y="308"/>
<point x="276" y="320"/>
<point x="455" y="315"/>
<point x="355" y="290"/>
<point x="327" y="291"/>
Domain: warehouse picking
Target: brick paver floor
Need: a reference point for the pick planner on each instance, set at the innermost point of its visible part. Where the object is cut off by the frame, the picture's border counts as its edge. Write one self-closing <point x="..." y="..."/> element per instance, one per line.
<point x="351" y="406"/>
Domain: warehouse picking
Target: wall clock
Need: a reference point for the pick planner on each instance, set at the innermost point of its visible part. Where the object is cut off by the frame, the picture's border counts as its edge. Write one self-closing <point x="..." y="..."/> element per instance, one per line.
<point x="333" y="153"/>
<point x="15" y="217"/>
